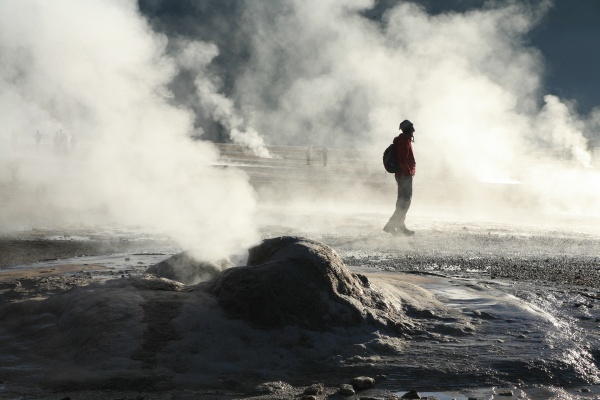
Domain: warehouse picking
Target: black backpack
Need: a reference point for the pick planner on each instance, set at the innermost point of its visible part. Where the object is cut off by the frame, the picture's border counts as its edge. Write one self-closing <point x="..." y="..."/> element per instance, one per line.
<point x="390" y="159"/>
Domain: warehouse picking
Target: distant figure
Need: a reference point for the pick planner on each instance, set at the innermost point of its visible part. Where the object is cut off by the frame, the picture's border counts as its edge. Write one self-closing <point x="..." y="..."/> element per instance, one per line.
<point x="308" y="151"/>
<point x="73" y="142"/>
<point x="56" y="141"/>
<point x="404" y="179"/>
<point x="61" y="142"/>
<point x="324" y="156"/>
<point x="38" y="138"/>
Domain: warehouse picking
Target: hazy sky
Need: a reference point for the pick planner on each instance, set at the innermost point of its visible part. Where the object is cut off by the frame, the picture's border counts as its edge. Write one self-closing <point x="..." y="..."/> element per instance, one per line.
<point x="569" y="38"/>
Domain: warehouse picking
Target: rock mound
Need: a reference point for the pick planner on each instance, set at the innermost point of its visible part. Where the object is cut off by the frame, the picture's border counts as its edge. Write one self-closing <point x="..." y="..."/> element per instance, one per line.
<point x="184" y="268"/>
<point x="297" y="281"/>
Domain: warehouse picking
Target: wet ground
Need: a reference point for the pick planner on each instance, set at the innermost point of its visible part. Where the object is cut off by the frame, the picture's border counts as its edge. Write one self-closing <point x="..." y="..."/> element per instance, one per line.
<point x="527" y="288"/>
<point x="532" y="299"/>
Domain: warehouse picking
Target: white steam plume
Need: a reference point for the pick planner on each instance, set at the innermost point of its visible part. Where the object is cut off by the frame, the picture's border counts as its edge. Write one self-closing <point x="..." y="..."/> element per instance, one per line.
<point x="97" y="71"/>
<point x="467" y="80"/>
<point x="195" y="57"/>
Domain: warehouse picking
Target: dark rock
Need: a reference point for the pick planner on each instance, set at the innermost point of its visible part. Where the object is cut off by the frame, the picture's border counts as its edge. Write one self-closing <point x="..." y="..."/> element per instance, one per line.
<point x="296" y="281"/>
<point x="182" y="267"/>
<point x="363" y="382"/>
<point x="315" y="389"/>
<point x="506" y="393"/>
<point x="346" y="390"/>
<point x="413" y="394"/>
<point x="380" y="377"/>
<point x="273" y="387"/>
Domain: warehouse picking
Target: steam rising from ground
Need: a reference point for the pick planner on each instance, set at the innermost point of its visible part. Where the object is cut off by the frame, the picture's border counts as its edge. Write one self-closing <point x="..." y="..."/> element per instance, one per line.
<point x="317" y="73"/>
<point x="467" y="80"/>
<point x="195" y="58"/>
<point x="97" y="71"/>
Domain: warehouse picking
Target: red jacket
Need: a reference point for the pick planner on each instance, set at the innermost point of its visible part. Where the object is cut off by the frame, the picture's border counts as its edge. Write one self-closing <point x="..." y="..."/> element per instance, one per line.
<point x="406" y="158"/>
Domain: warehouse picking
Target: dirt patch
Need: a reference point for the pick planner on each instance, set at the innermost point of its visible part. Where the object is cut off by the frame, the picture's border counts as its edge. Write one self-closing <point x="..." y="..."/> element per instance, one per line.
<point x="28" y="251"/>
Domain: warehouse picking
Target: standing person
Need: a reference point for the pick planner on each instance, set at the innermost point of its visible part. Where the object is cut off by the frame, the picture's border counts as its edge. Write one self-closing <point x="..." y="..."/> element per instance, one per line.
<point x="324" y="156"/>
<point x="73" y="143"/>
<point x="404" y="179"/>
<point x="308" y="152"/>
<point x="57" y="142"/>
<point x="38" y="138"/>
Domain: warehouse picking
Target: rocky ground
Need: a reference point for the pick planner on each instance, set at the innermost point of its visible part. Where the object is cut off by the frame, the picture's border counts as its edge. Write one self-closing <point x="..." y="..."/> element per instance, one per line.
<point x="555" y="261"/>
<point x="532" y="259"/>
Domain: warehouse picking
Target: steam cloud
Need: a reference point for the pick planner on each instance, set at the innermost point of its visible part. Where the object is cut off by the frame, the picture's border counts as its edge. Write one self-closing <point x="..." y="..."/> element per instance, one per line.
<point x="195" y="57"/>
<point x="96" y="70"/>
<point x="313" y="72"/>
<point x="467" y="80"/>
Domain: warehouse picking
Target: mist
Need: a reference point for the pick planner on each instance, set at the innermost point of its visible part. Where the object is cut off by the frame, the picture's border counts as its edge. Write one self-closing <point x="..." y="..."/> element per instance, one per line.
<point x="322" y="73"/>
<point x="469" y="82"/>
<point x="97" y="72"/>
<point x="143" y="92"/>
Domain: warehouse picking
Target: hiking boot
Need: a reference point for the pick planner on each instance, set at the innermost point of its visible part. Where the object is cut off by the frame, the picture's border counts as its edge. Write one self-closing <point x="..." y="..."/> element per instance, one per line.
<point x="405" y="232"/>
<point x="389" y="230"/>
<point x="402" y="232"/>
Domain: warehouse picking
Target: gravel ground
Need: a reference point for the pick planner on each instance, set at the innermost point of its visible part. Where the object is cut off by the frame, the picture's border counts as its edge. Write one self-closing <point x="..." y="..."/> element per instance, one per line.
<point x="543" y="258"/>
<point x="511" y="253"/>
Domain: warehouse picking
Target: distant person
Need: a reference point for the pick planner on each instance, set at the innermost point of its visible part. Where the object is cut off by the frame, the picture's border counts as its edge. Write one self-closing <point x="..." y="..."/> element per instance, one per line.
<point x="404" y="179"/>
<point x="38" y="138"/>
<point x="308" y="151"/>
<point x="63" y="143"/>
<point x="324" y="156"/>
<point x="73" y="142"/>
<point x="56" y="142"/>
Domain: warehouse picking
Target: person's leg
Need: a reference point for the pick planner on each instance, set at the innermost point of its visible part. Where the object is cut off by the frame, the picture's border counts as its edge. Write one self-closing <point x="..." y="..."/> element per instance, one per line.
<point x="404" y="199"/>
<point x="396" y="223"/>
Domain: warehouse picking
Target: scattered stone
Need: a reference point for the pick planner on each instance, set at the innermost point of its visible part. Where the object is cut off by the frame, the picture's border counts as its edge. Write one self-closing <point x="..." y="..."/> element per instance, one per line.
<point x="127" y="259"/>
<point x="363" y="382"/>
<point x="346" y="390"/>
<point x="371" y="398"/>
<point x="315" y="389"/>
<point x="273" y="387"/>
<point x="413" y="394"/>
<point x="309" y="397"/>
<point x="380" y="377"/>
<point x="182" y="267"/>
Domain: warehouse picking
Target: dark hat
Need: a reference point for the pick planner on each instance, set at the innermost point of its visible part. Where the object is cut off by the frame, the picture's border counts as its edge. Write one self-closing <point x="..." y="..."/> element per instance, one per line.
<point x="406" y="124"/>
